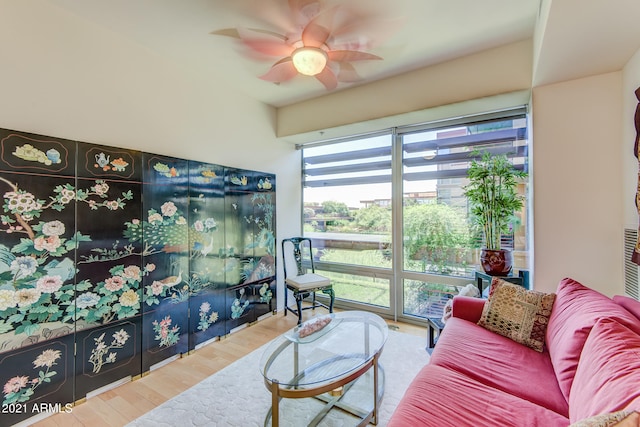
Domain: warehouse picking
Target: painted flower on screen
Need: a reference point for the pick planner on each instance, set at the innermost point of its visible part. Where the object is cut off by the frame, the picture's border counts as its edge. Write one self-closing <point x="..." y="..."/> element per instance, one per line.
<point x="21" y="388"/>
<point x="23" y="266"/>
<point x="7" y="299"/>
<point x="129" y="299"/>
<point x="88" y="299"/>
<point x="53" y="228"/>
<point x="49" y="284"/>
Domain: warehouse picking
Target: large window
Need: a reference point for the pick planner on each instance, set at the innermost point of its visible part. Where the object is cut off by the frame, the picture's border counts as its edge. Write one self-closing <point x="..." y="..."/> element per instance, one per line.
<point x="440" y="241"/>
<point x="347" y="213"/>
<point x="388" y="215"/>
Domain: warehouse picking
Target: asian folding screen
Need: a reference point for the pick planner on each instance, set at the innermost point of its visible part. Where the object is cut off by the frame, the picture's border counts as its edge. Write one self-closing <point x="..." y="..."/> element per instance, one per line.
<point x="114" y="260"/>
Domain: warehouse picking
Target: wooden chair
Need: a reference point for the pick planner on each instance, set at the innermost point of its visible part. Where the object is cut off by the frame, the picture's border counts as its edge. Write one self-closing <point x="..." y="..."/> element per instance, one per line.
<point x="297" y="251"/>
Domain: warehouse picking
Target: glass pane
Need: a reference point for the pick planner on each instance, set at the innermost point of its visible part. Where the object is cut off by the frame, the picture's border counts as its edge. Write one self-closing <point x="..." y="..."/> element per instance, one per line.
<point x="347" y="201"/>
<point x="426" y="299"/>
<point x="438" y="236"/>
<point x="351" y="287"/>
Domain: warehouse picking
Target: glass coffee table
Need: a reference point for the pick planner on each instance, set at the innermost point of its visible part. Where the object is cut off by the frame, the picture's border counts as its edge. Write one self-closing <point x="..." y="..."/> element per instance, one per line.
<point x="333" y="367"/>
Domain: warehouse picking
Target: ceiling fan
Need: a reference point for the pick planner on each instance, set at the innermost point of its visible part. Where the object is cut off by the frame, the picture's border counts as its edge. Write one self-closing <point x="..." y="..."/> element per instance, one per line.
<point x="320" y="42"/>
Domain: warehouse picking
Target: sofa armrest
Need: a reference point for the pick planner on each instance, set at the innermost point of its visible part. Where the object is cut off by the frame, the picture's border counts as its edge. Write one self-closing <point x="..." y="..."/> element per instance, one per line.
<point x="467" y="308"/>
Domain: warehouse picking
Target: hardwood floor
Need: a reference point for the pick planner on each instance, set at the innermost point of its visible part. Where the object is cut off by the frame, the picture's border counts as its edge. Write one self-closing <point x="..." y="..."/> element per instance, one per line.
<point x="127" y="402"/>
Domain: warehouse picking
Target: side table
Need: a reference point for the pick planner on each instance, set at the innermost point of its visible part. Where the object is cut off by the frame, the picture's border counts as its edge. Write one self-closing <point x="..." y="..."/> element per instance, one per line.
<point x="434" y="325"/>
<point x="521" y="279"/>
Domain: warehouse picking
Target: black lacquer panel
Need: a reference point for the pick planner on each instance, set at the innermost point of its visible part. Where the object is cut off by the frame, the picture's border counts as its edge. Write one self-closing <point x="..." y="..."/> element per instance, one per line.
<point x="165" y="234"/>
<point x="164" y="333"/>
<point x="206" y="252"/>
<point x="109" y="267"/>
<point x="250" y="230"/>
<point x="207" y="316"/>
<point x="109" y="264"/>
<point x="239" y="240"/>
<point x="37" y="245"/>
<point x="103" y="162"/>
<point x="37" y="379"/>
<point x="36" y="154"/>
<point x="107" y="354"/>
<point x="132" y="256"/>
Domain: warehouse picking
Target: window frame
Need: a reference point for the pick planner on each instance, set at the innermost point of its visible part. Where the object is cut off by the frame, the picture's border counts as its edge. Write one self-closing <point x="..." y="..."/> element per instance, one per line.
<point x="397" y="274"/>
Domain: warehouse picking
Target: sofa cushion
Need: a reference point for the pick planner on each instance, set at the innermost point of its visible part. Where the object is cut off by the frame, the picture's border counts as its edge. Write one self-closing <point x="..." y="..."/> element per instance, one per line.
<point x="516" y="313"/>
<point x="575" y="311"/>
<point x="608" y="374"/>
<point x="440" y="397"/>
<point x="630" y="304"/>
<point x="615" y="419"/>
<point x="498" y="362"/>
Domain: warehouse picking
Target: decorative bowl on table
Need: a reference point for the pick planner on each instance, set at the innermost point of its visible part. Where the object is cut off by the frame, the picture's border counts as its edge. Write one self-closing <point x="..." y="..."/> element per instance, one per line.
<point x="313" y="329"/>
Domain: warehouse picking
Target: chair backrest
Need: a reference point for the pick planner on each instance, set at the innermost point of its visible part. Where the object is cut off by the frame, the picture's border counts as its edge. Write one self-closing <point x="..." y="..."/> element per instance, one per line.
<point x="297" y="251"/>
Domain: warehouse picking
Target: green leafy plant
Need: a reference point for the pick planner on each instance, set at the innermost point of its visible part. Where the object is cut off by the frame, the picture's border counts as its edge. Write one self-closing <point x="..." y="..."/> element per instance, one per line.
<point x="492" y="192"/>
<point x="437" y="235"/>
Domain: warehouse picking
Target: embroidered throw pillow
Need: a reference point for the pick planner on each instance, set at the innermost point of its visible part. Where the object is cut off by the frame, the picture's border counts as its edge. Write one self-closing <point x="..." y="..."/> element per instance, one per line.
<point x="614" y="419"/>
<point x="517" y="313"/>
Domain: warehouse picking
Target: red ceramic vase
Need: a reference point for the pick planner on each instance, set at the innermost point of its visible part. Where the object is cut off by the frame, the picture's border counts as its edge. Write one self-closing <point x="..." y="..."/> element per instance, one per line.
<point x="496" y="263"/>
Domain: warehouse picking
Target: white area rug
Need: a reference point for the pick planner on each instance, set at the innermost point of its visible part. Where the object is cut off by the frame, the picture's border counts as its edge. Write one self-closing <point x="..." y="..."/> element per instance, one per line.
<point x="237" y="396"/>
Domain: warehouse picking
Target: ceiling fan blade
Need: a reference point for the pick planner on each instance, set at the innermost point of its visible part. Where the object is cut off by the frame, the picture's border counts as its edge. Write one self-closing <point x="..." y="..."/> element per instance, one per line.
<point x="348" y="73"/>
<point x="318" y="30"/>
<point x="265" y="42"/>
<point x="315" y="35"/>
<point x="327" y="78"/>
<point x="350" y="55"/>
<point x="281" y="71"/>
<point x="229" y="32"/>
<point x="234" y="32"/>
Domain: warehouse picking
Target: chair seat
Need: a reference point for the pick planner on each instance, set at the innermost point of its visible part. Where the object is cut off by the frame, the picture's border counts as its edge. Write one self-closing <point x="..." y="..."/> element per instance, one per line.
<point x="307" y="282"/>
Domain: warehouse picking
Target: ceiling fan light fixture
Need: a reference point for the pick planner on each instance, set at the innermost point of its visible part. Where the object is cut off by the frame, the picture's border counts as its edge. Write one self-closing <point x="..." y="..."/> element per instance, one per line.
<point x="309" y="60"/>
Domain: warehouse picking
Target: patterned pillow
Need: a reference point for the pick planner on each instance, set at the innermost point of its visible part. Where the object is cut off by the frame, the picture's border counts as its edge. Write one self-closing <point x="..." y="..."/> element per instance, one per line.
<point x="614" y="419"/>
<point x="516" y="313"/>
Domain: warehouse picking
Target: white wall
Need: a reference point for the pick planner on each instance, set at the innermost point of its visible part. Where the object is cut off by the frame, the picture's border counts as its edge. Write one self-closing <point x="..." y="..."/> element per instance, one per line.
<point x="388" y="102"/>
<point x="63" y="77"/>
<point x="577" y="183"/>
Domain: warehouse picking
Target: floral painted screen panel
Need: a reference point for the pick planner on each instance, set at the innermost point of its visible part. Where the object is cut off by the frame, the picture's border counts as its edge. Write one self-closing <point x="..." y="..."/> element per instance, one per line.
<point x="263" y="271"/>
<point x="239" y="240"/>
<point x="164" y="231"/>
<point x="37" y="379"/>
<point x="131" y="257"/>
<point x="37" y="252"/>
<point x="206" y="252"/>
<point x="107" y="354"/>
<point x="250" y="235"/>
<point x="108" y="265"/>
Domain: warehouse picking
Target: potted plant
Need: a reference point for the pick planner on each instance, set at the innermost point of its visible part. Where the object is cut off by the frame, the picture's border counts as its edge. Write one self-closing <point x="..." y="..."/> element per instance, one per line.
<point x="492" y="193"/>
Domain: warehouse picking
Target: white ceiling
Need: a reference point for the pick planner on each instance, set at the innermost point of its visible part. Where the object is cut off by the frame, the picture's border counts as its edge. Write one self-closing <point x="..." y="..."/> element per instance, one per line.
<point x="578" y="38"/>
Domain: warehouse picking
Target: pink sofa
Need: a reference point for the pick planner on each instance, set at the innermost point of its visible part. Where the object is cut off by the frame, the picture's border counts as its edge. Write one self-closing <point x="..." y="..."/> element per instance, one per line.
<point x="590" y="365"/>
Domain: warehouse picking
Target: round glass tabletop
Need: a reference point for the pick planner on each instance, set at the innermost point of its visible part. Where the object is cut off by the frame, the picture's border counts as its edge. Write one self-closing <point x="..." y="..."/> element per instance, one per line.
<point x="303" y="357"/>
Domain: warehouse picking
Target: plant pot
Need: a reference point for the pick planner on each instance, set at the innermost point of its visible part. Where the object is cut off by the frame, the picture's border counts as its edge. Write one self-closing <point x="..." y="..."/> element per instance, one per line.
<point x="496" y="263"/>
